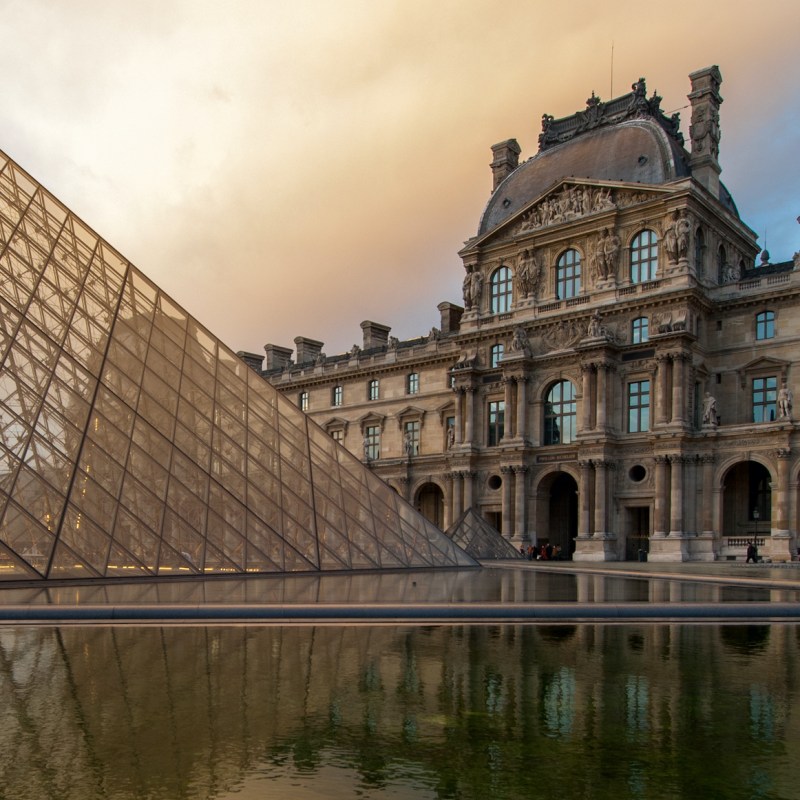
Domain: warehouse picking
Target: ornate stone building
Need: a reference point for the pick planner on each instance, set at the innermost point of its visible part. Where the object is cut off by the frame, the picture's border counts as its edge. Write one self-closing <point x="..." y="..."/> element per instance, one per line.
<point x="619" y="378"/>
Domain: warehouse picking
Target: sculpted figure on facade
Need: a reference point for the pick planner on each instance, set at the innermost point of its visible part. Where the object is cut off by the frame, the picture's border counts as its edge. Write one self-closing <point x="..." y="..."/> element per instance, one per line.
<point x="796" y="260"/>
<point x="671" y="239"/>
<point x="704" y="131"/>
<point x="472" y="287"/>
<point x="519" y="341"/>
<point x="683" y="231"/>
<point x="528" y="274"/>
<point x="784" y="402"/>
<point x="606" y="255"/>
<point x="709" y="409"/>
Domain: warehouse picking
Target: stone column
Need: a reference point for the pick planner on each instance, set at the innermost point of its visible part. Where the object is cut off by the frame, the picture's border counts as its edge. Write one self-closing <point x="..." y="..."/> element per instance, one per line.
<point x="602" y="396"/>
<point x="520" y="521"/>
<point x="506" y="472"/>
<point x="676" y="521"/>
<point x="508" y="398"/>
<point x="586" y="379"/>
<point x="469" y="478"/>
<point x="459" y="409"/>
<point x="458" y="506"/>
<point x="780" y="508"/>
<point x="708" y="494"/>
<point x="679" y="387"/>
<point x="585" y="493"/>
<point x="470" y="414"/>
<point x="522" y="407"/>
<point x="662" y="368"/>
<point x="448" y="503"/>
<point x="660" y="503"/>
<point x="600" y="497"/>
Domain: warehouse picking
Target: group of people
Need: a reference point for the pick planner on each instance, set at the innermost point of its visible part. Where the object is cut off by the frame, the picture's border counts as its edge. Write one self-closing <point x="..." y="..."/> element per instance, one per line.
<point x="545" y="552"/>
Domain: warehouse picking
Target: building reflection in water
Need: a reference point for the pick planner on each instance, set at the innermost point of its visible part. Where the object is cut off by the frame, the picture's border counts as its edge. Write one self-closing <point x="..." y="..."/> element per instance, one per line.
<point x="453" y="711"/>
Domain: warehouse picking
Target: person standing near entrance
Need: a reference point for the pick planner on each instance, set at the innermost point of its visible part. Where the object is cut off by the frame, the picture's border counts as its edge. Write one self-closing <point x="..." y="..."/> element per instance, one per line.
<point x="752" y="552"/>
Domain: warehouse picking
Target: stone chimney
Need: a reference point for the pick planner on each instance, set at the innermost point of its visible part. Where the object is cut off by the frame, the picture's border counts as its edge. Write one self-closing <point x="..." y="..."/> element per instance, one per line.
<point x="277" y="357"/>
<point x="375" y="334"/>
<point x="704" y="130"/>
<point x="506" y="160"/>
<point x="451" y="317"/>
<point x="307" y="349"/>
<point x="253" y="360"/>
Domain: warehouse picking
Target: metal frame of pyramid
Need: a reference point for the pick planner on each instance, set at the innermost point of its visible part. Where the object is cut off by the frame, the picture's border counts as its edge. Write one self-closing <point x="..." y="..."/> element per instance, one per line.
<point x="478" y="538"/>
<point x="134" y="444"/>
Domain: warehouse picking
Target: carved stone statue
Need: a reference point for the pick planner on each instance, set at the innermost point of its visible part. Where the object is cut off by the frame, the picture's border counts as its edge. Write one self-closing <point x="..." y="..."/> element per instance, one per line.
<point x="473" y="284"/>
<point x="528" y="274"/>
<point x="683" y="229"/>
<point x="784" y="402"/>
<point x="709" y="410"/>
<point x="671" y="239"/>
<point x="595" y="330"/>
<point x="408" y="445"/>
<point x="796" y="261"/>
<point x="451" y="437"/>
<point x="354" y="351"/>
<point x="605" y="255"/>
<point x="519" y="341"/>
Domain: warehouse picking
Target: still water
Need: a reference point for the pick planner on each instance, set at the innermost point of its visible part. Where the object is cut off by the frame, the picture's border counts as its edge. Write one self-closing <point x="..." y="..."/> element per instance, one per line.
<point x="484" y="711"/>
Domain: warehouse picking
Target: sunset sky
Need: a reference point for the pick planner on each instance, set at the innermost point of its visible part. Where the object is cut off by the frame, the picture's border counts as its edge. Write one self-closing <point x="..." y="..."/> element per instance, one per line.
<point x="293" y="168"/>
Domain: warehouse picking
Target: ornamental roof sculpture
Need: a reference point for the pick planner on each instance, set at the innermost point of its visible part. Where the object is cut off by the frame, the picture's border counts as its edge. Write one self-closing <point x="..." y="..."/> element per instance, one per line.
<point x="134" y="444"/>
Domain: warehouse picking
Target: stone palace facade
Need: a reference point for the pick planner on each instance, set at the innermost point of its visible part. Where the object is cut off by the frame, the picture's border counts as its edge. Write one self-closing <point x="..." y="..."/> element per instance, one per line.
<point x="619" y="378"/>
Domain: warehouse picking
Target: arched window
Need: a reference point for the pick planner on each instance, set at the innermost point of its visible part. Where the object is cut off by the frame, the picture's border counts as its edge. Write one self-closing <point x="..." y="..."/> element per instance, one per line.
<point x="568" y="275"/>
<point x="640" y="330"/>
<point x="560" y="412"/>
<point x="496" y="354"/>
<point x="373" y="389"/>
<point x="303" y="401"/>
<point x="501" y="291"/>
<point x="644" y="256"/>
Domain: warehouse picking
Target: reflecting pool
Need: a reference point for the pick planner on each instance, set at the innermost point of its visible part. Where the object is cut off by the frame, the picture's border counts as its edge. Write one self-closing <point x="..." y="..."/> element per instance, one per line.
<point x="459" y="711"/>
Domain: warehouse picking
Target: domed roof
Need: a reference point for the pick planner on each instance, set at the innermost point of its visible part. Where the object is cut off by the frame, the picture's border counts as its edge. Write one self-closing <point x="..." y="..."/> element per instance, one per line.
<point x="633" y="151"/>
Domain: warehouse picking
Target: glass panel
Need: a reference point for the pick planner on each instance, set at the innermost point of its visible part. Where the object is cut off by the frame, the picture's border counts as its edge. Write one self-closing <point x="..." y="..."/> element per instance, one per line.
<point x="103" y="469"/>
<point x="114" y="410"/>
<point x="186" y="541"/>
<point x="109" y="439"/>
<point x="228" y="508"/>
<point x="188" y="506"/>
<point x="66" y="564"/>
<point x="13" y="568"/>
<point x="85" y="537"/>
<point x="190" y="475"/>
<point x="28" y="538"/>
<point x="137" y="539"/>
<point x="148" y="471"/>
<point x="141" y="502"/>
<point x="43" y="459"/>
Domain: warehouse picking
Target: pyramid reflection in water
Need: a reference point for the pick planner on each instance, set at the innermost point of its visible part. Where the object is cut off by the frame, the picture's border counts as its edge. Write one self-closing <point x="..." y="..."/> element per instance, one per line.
<point x="133" y="443"/>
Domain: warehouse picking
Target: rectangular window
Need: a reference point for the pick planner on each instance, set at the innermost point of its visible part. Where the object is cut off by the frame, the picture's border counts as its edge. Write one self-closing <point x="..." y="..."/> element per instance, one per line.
<point x="304" y="401"/>
<point x="411" y="438"/>
<point x="497" y="413"/>
<point x="372" y="442"/>
<point x="765" y="325"/>
<point x="765" y="397"/>
<point x="338" y="436"/>
<point x="638" y="406"/>
<point x="412" y="383"/>
<point x="373" y="390"/>
<point x="337" y="395"/>
<point x="639" y="331"/>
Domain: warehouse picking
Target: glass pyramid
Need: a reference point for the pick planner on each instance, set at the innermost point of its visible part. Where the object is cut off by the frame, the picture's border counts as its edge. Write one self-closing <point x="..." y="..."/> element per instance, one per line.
<point x="479" y="539"/>
<point x="134" y="444"/>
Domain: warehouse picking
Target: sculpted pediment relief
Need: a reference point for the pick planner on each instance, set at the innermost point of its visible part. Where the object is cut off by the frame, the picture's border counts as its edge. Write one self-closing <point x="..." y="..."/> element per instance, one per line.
<point x="571" y="201"/>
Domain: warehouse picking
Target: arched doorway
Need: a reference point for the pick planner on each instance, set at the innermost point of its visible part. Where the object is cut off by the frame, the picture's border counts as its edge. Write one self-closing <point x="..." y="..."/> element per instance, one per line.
<point x="560" y="516"/>
<point x="747" y="503"/>
<point x="430" y="503"/>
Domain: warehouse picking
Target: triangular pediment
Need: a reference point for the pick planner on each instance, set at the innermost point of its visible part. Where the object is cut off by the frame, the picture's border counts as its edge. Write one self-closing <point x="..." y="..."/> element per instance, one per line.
<point x="135" y="444"/>
<point x="567" y="201"/>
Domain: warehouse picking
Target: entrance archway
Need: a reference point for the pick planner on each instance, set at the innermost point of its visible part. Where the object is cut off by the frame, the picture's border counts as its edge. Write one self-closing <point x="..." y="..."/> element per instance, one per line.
<point x="560" y="516"/>
<point x="430" y="503"/>
<point x="747" y="503"/>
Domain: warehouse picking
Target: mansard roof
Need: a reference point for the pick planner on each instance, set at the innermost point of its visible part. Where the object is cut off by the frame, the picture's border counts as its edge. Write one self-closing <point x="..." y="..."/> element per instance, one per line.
<point x="627" y="139"/>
